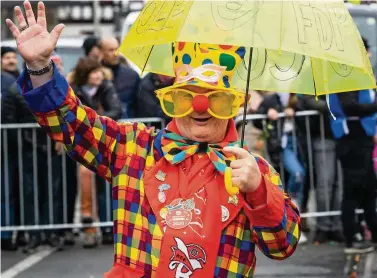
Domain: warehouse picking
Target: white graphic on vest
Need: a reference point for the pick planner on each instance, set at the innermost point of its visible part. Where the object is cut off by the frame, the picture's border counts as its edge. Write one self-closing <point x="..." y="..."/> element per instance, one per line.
<point x="186" y="259"/>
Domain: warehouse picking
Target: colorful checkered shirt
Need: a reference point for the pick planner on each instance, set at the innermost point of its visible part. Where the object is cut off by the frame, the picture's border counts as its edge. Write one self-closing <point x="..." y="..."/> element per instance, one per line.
<point x="120" y="152"/>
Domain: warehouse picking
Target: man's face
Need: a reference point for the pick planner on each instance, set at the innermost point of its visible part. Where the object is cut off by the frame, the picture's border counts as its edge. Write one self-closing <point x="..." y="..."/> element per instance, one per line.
<point x="95" y="54"/>
<point x="109" y="51"/>
<point x="9" y="62"/>
<point x="202" y="127"/>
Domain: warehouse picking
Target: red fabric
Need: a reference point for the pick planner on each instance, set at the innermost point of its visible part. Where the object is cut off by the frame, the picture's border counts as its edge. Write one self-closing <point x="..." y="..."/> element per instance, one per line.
<point x="271" y="213"/>
<point x="194" y="246"/>
<point x="259" y="196"/>
<point x="122" y="271"/>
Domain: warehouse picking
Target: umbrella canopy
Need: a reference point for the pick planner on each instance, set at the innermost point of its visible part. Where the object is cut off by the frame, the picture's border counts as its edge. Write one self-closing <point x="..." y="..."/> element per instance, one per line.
<point x="307" y="47"/>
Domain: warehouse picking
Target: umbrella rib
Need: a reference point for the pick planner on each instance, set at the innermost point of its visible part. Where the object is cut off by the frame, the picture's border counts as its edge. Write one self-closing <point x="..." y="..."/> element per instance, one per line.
<point x="315" y="87"/>
<point x="246" y="97"/>
<point x="146" y="62"/>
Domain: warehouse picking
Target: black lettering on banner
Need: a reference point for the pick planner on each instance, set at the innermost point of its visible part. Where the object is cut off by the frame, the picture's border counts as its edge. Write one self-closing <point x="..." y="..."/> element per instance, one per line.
<point x="324" y="28"/>
<point x="303" y="20"/>
<point x="147" y="14"/>
<point x="327" y="21"/>
<point x="160" y="15"/>
<point x="338" y="17"/>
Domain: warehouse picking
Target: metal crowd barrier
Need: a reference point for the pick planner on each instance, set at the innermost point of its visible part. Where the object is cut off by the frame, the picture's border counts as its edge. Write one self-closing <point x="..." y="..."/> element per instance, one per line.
<point x="5" y="200"/>
<point x="310" y="168"/>
<point x="5" y="128"/>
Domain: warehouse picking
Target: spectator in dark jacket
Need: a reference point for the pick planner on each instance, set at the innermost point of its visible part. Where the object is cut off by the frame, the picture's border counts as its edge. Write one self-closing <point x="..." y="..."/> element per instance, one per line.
<point x="6" y="81"/>
<point x="148" y="104"/>
<point x="94" y="90"/>
<point x="126" y="80"/>
<point x="354" y="127"/>
<point x="325" y="168"/>
<point x="97" y="92"/>
<point x="36" y="197"/>
<point x="8" y="151"/>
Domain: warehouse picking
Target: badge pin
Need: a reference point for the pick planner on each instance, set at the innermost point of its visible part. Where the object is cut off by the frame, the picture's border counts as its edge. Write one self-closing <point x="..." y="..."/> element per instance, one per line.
<point x="233" y="200"/>
<point x="163" y="212"/>
<point x="224" y="214"/>
<point x="161" y="195"/>
<point x="160" y="176"/>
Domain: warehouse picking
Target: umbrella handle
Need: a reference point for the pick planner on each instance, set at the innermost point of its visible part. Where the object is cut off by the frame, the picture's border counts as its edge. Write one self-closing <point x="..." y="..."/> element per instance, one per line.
<point x="230" y="188"/>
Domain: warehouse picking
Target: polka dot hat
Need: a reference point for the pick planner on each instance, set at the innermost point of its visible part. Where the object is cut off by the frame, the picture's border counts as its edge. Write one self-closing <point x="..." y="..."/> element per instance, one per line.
<point x="205" y="65"/>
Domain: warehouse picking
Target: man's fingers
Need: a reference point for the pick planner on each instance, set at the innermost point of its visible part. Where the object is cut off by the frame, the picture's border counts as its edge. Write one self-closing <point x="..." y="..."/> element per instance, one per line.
<point x="29" y="13"/>
<point x="42" y="15"/>
<point x="236" y="164"/>
<point x="238" y="152"/>
<point x="56" y="32"/>
<point x="237" y="182"/>
<point x="20" y="17"/>
<point x="13" y="28"/>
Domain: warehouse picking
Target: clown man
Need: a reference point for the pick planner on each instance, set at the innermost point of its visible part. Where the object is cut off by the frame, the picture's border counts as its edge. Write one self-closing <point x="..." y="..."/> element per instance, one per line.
<point x="175" y="214"/>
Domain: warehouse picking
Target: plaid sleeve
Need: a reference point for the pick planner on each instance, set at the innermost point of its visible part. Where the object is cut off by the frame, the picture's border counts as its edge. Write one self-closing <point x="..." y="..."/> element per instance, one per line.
<point x="276" y="223"/>
<point x="97" y="142"/>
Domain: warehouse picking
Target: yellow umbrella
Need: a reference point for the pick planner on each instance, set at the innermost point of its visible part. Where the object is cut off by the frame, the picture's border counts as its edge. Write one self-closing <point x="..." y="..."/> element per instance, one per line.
<point x="306" y="47"/>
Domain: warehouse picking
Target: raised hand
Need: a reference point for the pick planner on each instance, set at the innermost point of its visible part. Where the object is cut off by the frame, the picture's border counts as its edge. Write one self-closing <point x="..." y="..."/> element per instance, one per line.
<point x="34" y="43"/>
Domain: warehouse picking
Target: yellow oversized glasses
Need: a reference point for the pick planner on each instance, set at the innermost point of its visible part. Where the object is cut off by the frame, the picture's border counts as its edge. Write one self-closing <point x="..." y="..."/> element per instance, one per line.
<point x="220" y="104"/>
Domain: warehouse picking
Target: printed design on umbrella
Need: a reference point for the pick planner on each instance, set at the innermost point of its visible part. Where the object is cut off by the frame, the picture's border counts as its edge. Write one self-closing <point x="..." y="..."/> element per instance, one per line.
<point x="186" y="258"/>
<point x="341" y="69"/>
<point x="230" y="15"/>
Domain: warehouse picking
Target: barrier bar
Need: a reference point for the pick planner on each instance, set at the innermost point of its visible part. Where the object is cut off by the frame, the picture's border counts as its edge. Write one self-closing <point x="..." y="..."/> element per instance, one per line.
<point x="64" y="186"/>
<point x="6" y="178"/>
<point x="35" y="178"/>
<point x="49" y="180"/>
<point x="21" y="177"/>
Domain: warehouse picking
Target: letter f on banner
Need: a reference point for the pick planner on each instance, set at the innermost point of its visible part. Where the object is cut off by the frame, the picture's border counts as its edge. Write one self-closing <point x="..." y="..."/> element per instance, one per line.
<point x="303" y="13"/>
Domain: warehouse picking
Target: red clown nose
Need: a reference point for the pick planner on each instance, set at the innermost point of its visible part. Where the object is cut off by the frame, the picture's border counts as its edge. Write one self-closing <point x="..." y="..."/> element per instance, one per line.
<point x="200" y="104"/>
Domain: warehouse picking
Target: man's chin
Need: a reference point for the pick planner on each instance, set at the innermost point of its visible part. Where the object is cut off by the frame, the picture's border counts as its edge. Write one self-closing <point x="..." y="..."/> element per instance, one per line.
<point x="200" y="134"/>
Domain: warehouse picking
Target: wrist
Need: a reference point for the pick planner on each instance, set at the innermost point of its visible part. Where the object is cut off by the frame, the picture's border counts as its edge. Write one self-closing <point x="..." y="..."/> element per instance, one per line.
<point x="43" y="70"/>
<point x="37" y="65"/>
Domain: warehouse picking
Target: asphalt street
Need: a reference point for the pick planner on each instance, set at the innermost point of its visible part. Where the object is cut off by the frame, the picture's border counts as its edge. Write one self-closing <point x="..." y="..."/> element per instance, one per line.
<point x="325" y="260"/>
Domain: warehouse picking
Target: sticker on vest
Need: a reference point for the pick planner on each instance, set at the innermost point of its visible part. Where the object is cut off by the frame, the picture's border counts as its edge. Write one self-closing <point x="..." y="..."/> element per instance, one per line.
<point x="186" y="259"/>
